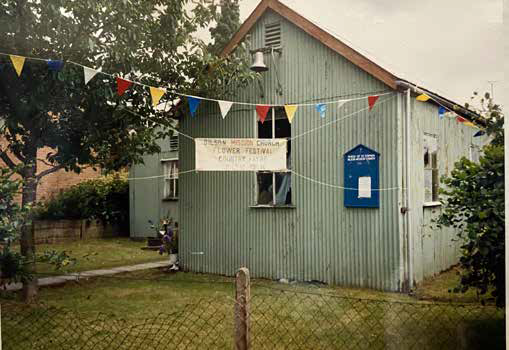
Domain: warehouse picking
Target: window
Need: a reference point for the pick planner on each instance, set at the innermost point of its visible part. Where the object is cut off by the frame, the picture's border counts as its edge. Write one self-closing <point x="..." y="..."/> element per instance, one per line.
<point x="174" y="143"/>
<point x="431" y="180"/>
<point x="475" y="153"/>
<point x="273" y="35"/>
<point x="171" y="179"/>
<point x="275" y="189"/>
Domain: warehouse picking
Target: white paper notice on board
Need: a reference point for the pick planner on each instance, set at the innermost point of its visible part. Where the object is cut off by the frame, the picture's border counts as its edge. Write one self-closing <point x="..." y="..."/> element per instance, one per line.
<point x="240" y="154"/>
<point x="364" y="187"/>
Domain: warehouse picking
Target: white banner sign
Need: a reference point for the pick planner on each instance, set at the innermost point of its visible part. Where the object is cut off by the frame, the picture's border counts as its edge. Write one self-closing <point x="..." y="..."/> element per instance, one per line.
<point x="240" y="154"/>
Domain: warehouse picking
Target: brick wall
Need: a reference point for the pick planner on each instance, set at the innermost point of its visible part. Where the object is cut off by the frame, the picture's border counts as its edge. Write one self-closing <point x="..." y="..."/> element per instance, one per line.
<point x="57" y="181"/>
<point x="57" y="231"/>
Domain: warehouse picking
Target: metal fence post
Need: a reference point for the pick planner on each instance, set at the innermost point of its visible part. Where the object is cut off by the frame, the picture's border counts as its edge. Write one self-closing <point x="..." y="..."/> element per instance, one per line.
<point x="241" y="309"/>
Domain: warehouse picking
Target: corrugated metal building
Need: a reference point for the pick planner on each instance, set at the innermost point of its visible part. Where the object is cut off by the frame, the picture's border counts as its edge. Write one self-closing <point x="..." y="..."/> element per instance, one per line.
<point x="310" y="235"/>
<point x="152" y="196"/>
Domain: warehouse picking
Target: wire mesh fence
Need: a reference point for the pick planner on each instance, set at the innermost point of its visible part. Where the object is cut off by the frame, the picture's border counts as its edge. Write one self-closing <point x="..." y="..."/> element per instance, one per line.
<point x="278" y="319"/>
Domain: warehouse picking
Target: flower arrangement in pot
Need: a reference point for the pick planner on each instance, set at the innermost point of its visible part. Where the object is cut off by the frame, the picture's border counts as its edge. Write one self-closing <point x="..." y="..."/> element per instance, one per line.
<point x="170" y="246"/>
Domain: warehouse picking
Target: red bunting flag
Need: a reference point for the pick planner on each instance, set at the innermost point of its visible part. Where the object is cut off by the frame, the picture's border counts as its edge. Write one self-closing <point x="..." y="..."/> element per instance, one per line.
<point x="122" y="85"/>
<point x="372" y="101"/>
<point x="460" y="120"/>
<point x="262" y="112"/>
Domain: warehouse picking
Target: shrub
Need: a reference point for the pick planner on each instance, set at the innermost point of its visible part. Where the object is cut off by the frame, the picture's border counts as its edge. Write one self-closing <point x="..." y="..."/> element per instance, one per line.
<point x="474" y="203"/>
<point x="14" y="267"/>
<point x="105" y="199"/>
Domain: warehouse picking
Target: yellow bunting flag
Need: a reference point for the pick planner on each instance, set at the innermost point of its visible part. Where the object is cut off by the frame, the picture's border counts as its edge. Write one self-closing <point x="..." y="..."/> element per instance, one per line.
<point x="290" y="112"/>
<point x="18" y="62"/>
<point x="469" y="124"/>
<point x="156" y="94"/>
<point x="422" y="98"/>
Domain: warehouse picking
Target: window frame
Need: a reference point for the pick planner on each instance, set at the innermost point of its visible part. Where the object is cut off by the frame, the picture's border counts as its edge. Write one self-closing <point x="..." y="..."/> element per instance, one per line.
<point x="474" y="149"/>
<point x="433" y="166"/>
<point x="274" y="192"/>
<point x="174" y="178"/>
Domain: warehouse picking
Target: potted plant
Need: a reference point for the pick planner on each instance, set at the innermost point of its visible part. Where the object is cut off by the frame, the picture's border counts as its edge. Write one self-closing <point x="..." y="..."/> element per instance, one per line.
<point x="170" y="245"/>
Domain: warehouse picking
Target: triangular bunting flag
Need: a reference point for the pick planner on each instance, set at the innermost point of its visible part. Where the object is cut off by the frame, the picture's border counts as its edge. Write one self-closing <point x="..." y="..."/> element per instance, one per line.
<point x="89" y="73"/>
<point x="122" y="85"/>
<point x="441" y="112"/>
<point x="321" y="108"/>
<point x="372" y="101"/>
<point x="290" y="112"/>
<point x="422" y="98"/>
<point x="193" y="104"/>
<point x="479" y="133"/>
<point x="341" y="103"/>
<point x="460" y="120"/>
<point x="224" y="106"/>
<point x="18" y="62"/>
<point x="55" y="65"/>
<point x="262" y="112"/>
<point x="156" y="94"/>
<point x="467" y="123"/>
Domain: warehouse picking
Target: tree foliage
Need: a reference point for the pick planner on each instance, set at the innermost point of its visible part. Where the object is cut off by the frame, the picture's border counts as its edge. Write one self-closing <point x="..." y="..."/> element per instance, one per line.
<point x="228" y="22"/>
<point x="105" y="199"/>
<point x="146" y="40"/>
<point x="150" y="41"/>
<point x="474" y="204"/>
<point x="13" y="265"/>
<point x="12" y="216"/>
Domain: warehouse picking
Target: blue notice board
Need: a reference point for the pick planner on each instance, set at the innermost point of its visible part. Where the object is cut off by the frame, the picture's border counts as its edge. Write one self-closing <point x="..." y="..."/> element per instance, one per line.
<point x="361" y="174"/>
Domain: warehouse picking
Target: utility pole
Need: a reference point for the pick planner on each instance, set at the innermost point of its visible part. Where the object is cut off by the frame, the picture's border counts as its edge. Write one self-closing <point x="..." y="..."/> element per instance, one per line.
<point x="491" y="82"/>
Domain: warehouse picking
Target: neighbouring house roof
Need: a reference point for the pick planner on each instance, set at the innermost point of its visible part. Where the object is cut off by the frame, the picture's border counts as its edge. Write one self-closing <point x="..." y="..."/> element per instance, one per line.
<point x="341" y="48"/>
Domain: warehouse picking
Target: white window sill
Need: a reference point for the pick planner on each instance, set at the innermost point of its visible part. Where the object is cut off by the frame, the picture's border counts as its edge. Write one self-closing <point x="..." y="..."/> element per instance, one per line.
<point x="270" y="206"/>
<point x="432" y="204"/>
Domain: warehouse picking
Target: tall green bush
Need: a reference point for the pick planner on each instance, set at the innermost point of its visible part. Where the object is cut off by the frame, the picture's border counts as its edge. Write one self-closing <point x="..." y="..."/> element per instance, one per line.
<point x="473" y="202"/>
<point x="13" y="265"/>
<point x="105" y="199"/>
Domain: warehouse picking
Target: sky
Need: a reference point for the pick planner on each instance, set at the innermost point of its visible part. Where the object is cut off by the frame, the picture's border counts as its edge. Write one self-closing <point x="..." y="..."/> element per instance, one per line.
<point x="452" y="47"/>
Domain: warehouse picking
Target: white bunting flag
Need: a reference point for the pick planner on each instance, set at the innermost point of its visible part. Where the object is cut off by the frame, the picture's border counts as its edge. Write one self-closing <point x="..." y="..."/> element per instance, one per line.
<point x="224" y="106"/>
<point x="341" y="103"/>
<point x="89" y="73"/>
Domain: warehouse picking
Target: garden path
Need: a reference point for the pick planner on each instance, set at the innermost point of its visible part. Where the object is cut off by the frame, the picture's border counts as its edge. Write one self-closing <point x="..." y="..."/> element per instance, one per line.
<point x="55" y="280"/>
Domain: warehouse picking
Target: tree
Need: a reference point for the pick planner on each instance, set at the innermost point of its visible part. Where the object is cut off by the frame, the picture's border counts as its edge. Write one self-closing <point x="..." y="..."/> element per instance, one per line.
<point x="147" y="40"/>
<point x="474" y="204"/>
<point x="14" y="266"/>
<point x="228" y="22"/>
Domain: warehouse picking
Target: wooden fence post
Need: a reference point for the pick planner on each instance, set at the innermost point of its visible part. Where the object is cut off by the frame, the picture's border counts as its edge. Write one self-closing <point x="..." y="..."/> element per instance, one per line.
<point x="242" y="310"/>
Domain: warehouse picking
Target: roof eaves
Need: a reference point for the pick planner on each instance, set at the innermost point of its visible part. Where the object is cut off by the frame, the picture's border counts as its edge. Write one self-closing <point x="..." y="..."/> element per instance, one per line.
<point x="318" y="33"/>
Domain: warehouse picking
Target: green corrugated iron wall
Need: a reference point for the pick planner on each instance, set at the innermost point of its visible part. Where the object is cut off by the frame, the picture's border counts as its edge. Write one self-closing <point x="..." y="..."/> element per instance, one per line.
<point x="146" y="194"/>
<point x="319" y="239"/>
<point x="434" y="249"/>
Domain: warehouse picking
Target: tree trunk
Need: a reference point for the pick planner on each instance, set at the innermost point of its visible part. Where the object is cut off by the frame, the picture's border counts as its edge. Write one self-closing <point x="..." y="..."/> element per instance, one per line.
<point x="27" y="242"/>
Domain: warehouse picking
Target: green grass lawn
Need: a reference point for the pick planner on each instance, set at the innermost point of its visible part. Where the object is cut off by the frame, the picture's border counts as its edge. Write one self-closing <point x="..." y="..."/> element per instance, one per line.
<point x="158" y="310"/>
<point x="99" y="254"/>
<point x="440" y="288"/>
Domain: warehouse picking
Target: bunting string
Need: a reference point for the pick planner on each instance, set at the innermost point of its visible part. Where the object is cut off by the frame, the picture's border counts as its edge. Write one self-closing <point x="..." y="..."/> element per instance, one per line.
<point x="339" y="119"/>
<point x="443" y="110"/>
<point x="290" y="171"/>
<point x="340" y="187"/>
<point x="170" y="127"/>
<point x="262" y="108"/>
<point x="123" y="84"/>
